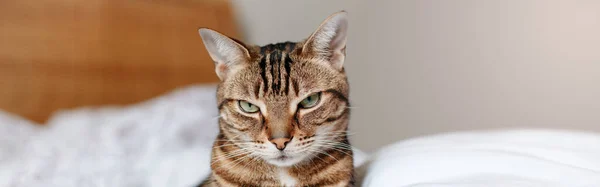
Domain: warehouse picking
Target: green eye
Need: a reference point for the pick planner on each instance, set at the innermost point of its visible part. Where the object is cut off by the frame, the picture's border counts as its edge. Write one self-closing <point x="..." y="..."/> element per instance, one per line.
<point x="248" y="107"/>
<point x="310" y="101"/>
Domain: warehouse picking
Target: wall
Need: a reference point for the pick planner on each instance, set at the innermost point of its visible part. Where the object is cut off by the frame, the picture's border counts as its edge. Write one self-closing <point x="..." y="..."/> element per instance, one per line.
<point x="424" y="67"/>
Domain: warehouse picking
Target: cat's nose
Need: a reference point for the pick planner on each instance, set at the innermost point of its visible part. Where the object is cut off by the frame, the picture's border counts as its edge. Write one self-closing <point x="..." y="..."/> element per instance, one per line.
<point x="280" y="143"/>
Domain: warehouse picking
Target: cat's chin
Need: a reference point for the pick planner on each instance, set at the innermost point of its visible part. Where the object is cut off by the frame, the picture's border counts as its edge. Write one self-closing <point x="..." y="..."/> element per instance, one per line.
<point x="284" y="161"/>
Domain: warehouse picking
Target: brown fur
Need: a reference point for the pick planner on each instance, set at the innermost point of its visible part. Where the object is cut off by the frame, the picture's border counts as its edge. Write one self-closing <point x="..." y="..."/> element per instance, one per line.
<point x="276" y="78"/>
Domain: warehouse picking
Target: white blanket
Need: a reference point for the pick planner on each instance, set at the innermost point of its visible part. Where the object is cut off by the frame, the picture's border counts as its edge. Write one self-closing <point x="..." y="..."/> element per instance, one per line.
<point x="163" y="142"/>
<point x="524" y="158"/>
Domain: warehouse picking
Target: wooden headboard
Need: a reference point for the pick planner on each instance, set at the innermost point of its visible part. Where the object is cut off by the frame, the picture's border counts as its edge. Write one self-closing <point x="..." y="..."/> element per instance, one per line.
<point x="57" y="54"/>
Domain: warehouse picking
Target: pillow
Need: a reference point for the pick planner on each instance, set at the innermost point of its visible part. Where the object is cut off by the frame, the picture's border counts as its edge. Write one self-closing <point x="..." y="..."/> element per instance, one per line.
<point x="490" y="159"/>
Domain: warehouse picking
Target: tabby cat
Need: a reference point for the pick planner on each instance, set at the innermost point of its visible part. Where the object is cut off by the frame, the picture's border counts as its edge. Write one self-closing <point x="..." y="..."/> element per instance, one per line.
<point x="283" y="110"/>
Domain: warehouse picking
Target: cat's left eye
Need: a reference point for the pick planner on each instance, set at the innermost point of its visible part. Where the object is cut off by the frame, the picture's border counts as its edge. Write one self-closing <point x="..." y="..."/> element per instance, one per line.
<point x="310" y="101"/>
<point x="248" y="107"/>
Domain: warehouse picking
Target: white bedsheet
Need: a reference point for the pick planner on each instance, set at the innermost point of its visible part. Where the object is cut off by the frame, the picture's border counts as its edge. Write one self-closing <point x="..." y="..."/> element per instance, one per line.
<point x="524" y="158"/>
<point x="164" y="142"/>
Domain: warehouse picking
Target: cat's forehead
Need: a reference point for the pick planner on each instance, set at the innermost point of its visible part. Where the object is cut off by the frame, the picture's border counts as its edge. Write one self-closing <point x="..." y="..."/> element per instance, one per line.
<point x="278" y="70"/>
<point x="282" y="47"/>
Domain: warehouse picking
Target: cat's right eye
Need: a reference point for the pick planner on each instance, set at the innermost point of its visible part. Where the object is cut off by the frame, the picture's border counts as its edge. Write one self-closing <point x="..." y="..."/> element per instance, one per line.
<point x="248" y="107"/>
<point x="310" y="101"/>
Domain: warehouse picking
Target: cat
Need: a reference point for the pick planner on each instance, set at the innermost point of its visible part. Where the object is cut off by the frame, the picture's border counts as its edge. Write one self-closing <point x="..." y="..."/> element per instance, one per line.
<point x="283" y="109"/>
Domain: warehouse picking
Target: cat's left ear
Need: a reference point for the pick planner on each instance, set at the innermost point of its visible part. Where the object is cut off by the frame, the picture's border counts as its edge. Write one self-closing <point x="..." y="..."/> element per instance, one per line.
<point x="229" y="55"/>
<point x="329" y="40"/>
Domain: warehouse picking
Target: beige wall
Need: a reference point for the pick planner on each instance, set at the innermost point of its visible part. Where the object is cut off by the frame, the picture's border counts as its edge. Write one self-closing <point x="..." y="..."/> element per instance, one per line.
<point x="423" y="67"/>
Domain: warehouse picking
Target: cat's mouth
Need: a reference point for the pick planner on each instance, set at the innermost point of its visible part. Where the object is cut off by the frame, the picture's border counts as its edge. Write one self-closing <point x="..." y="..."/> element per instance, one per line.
<point x="282" y="158"/>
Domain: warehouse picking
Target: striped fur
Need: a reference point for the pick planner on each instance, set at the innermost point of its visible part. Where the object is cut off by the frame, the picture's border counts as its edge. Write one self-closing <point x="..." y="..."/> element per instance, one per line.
<point x="276" y="77"/>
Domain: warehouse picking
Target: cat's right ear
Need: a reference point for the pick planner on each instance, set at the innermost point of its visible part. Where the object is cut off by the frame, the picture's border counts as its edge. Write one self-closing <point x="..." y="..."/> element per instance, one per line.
<point x="228" y="54"/>
<point x="329" y="40"/>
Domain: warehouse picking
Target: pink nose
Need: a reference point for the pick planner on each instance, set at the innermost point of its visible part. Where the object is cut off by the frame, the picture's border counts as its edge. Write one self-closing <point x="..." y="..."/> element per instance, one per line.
<point x="280" y="143"/>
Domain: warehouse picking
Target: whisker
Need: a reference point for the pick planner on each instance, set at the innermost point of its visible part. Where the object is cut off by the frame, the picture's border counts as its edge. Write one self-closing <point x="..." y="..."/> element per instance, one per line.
<point x="343" y="151"/>
<point x="336" y="143"/>
<point x="332" y="141"/>
<point x="232" y="144"/>
<point x="234" y="141"/>
<point x="335" y="136"/>
<point x="237" y="161"/>
<point x="229" y="155"/>
<point x="322" y="152"/>
<point x="230" y="138"/>
<point x="216" y="117"/>
<point x="250" y="161"/>
<point x="338" y="133"/>
<point x="338" y="147"/>
<point x="225" y="158"/>
<point x="315" y="153"/>
<point x="311" y="155"/>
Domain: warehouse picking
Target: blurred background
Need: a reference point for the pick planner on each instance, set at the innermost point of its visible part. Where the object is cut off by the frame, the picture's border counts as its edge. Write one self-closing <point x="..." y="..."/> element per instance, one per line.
<point x="415" y="67"/>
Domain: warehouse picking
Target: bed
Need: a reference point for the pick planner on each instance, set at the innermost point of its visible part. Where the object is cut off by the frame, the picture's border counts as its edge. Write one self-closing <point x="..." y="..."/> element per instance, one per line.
<point x="166" y="141"/>
<point x="121" y="94"/>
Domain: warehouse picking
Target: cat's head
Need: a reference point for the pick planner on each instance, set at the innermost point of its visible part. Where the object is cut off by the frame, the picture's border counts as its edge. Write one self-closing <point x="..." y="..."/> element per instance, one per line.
<point x="283" y="102"/>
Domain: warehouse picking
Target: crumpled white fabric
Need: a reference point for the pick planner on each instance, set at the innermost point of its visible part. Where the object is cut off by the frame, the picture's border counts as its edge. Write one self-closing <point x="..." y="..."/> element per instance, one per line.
<point x="164" y="142"/>
<point x="503" y="158"/>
